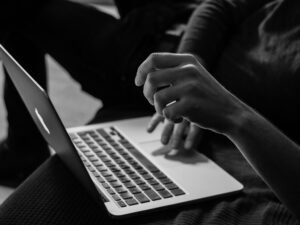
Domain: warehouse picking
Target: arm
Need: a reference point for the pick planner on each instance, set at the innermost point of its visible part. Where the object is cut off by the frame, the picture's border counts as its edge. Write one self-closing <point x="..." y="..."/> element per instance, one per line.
<point x="212" y="24"/>
<point x="207" y="32"/>
<point x="194" y="94"/>
<point x="273" y="155"/>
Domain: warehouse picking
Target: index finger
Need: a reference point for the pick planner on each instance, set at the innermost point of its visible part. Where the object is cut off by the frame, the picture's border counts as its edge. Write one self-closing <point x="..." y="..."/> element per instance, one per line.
<point x="158" y="61"/>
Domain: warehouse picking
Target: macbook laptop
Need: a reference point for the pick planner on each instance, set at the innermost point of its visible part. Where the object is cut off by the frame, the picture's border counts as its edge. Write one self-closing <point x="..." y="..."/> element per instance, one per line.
<point x="120" y="165"/>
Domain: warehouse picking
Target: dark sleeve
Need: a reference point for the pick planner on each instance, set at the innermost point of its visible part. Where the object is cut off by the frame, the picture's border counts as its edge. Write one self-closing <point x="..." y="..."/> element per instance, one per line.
<point x="125" y="6"/>
<point x="17" y="13"/>
<point x="211" y="25"/>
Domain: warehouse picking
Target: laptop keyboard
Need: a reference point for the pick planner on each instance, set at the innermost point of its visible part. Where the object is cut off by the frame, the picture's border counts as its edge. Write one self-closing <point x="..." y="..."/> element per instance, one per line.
<point x="126" y="174"/>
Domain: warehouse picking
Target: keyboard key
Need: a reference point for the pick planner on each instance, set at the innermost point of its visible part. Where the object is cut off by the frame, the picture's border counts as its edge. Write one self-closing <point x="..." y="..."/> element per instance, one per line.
<point x="124" y="179"/>
<point x="118" y="148"/>
<point x="120" y="162"/>
<point x="110" y="151"/>
<point x="165" y="194"/>
<point x="100" y="179"/>
<point x="152" y="195"/>
<point x="141" y="198"/>
<point x="72" y="135"/>
<point x="134" y="190"/>
<point x="105" y="185"/>
<point x="97" y="163"/>
<point x="147" y="176"/>
<point x="177" y="192"/>
<point x="101" y="168"/>
<point x="111" y="179"/>
<point x="96" y="174"/>
<point x="120" y="190"/>
<point x="89" y="154"/>
<point x="125" y="195"/>
<point x="128" y="157"/>
<point x="137" y="166"/>
<point x="124" y="167"/>
<point x="134" y="176"/>
<point x="115" y="170"/>
<point x="144" y="187"/>
<point x="129" y="184"/>
<point x="106" y="160"/>
<point x="158" y="187"/>
<point x="121" y="203"/>
<point x="139" y="181"/>
<point x="110" y="191"/>
<point x="129" y="171"/>
<point x="171" y="186"/>
<point x="121" y="176"/>
<point x="131" y="201"/>
<point x="159" y="175"/>
<point x="116" y="184"/>
<point x="165" y="180"/>
<point x="106" y="148"/>
<point x="102" y="156"/>
<point x="152" y="182"/>
<point x="143" y="172"/>
<point x="116" y="197"/>
<point x="106" y="173"/>
<point x="109" y="164"/>
<point x="94" y="159"/>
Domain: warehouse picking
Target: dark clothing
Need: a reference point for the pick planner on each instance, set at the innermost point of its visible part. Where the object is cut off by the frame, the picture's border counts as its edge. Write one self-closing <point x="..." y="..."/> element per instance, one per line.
<point x="53" y="196"/>
<point x="252" y="48"/>
<point x="99" y="51"/>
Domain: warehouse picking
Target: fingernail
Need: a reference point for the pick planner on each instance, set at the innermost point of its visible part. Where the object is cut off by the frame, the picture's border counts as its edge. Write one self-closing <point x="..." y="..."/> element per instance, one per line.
<point x="149" y="129"/>
<point x="163" y="140"/>
<point x="188" y="145"/>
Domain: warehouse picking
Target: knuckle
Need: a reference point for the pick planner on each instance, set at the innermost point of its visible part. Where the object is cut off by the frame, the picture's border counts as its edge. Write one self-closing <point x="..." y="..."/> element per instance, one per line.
<point x="152" y="58"/>
<point x="193" y="87"/>
<point x="191" y="70"/>
<point x="192" y="58"/>
<point x="159" y="101"/>
<point x="169" y="115"/>
<point x="190" y="89"/>
<point x="151" y="79"/>
<point x="158" y="97"/>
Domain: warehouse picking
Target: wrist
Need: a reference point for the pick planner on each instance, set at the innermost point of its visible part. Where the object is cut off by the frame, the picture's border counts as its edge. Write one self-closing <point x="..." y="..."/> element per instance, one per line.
<point x="239" y="120"/>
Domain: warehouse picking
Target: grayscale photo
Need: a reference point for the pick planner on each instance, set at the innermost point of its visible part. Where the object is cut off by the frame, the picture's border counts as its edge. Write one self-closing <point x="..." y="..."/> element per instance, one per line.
<point x="171" y="112"/>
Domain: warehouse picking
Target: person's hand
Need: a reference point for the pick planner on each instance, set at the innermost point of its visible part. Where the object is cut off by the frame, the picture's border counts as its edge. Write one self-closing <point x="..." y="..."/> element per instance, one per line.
<point x="184" y="135"/>
<point x="179" y="87"/>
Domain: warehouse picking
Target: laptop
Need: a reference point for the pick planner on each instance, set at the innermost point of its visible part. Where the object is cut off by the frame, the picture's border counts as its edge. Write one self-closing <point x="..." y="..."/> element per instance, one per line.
<point x="120" y="165"/>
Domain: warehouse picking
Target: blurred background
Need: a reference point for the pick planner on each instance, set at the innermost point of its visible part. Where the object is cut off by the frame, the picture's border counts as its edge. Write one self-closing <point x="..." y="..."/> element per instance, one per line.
<point x="74" y="107"/>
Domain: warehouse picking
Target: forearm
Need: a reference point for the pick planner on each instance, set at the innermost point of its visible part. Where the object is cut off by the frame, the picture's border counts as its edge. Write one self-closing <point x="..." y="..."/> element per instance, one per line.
<point x="212" y="24"/>
<point x="273" y="155"/>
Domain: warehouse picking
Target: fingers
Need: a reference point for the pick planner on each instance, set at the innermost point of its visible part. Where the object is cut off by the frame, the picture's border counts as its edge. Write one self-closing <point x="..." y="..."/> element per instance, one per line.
<point x="167" y="132"/>
<point x="158" y="61"/>
<point x="175" y="111"/>
<point x="194" y="136"/>
<point x="165" y="97"/>
<point x="160" y="79"/>
<point x="155" y="120"/>
<point x="179" y="134"/>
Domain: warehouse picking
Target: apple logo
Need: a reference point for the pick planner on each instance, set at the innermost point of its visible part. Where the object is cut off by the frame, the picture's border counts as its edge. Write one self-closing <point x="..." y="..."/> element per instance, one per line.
<point x="41" y="121"/>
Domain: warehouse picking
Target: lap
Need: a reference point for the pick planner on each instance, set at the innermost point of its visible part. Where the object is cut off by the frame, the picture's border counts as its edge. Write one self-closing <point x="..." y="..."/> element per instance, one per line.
<point x="53" y="196"/>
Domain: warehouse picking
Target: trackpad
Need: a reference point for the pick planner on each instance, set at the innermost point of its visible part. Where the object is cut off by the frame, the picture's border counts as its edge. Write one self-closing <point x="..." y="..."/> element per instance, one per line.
<point x="169" y="157"/>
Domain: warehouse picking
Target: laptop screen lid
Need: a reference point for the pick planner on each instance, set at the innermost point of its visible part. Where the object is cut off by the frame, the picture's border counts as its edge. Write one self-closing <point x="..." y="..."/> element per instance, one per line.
<point x="47" y="120"/>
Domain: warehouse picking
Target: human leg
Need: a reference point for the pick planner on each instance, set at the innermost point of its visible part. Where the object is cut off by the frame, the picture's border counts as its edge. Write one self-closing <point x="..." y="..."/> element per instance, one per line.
<point x="99" y="51"/>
